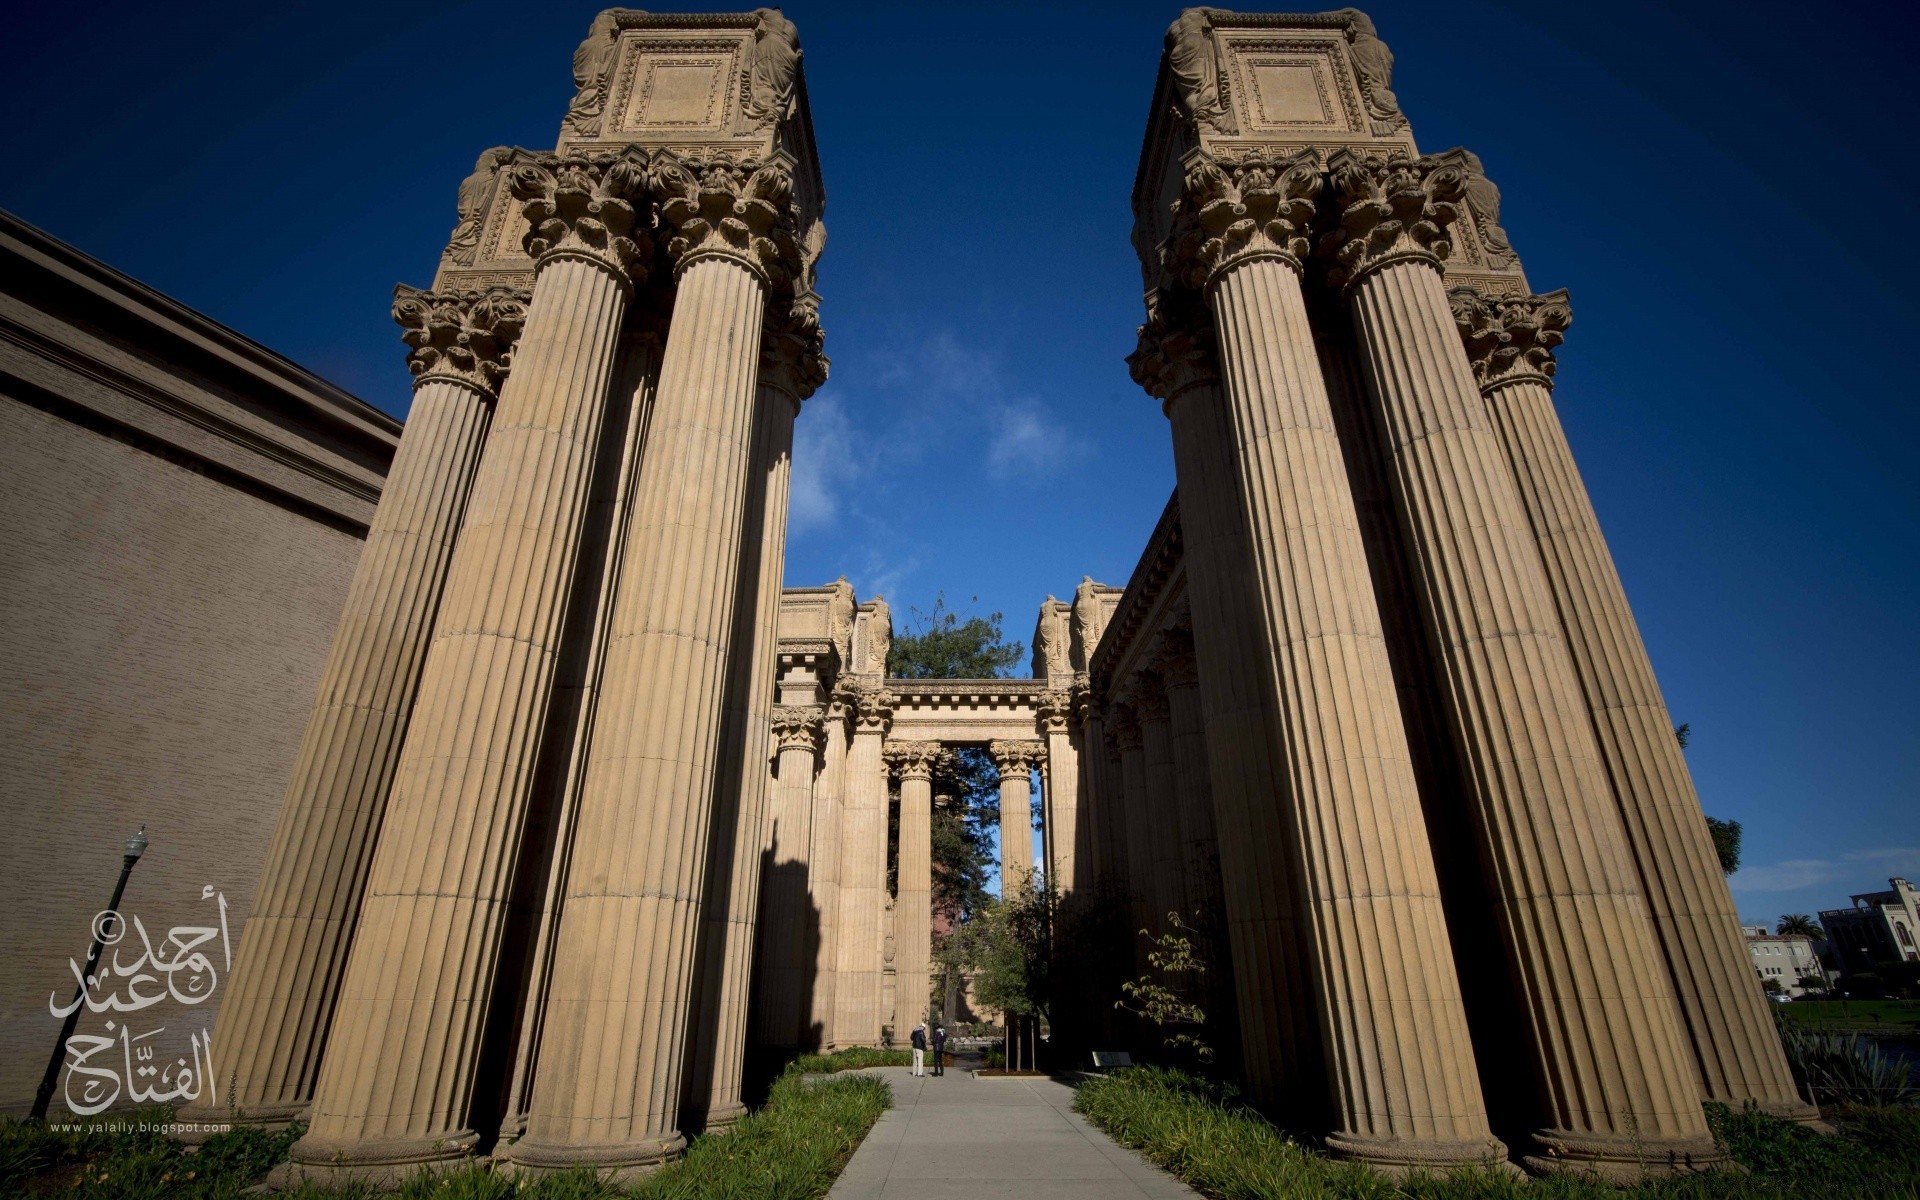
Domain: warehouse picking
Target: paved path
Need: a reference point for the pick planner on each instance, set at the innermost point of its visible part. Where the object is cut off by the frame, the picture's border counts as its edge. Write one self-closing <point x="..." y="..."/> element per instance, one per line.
<point x="957" y="1136"/>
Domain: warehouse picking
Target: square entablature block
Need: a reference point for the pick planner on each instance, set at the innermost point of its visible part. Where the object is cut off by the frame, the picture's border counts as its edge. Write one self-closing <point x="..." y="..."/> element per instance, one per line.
<point x="1272" y="85"/>
<point x="704" y="86"/>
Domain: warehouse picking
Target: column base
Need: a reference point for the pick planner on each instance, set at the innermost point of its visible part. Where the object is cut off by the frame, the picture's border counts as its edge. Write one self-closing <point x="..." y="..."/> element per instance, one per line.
<point x="202" y="1121"/>
<point x="381" y="1163"/>
<point x="1796" y="1110"/>
<point x="622" y="1163"/>
<point x="1623" y="1160"/>
<point x="1397" y="1158"/>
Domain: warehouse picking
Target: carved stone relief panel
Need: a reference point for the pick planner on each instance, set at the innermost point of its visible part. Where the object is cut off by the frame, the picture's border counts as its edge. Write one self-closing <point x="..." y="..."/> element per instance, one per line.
<point x="675" y="89"/>
<point x="1291" y="85"/>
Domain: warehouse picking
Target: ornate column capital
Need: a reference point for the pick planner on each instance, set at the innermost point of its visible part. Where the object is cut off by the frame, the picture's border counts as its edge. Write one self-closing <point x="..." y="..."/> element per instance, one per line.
<point x="800" y="726"/>
<point x="1175" y="348"/>
<point x="1147" y="697"/>
<point x="791" y="361"/>
<point x="1391" y="210"/>
<point x="1123" y="727"/>
<point x="912" y="760"/>
<point x="1238" y="211"/>
<point x="1015" y="757"/>
<point x="1513" y="339"/>
<point x="1176" y="662"/>
<point x="587" y="207"/>
<point x="740" y="211"/>
<point x="873" y="709"/>
<point x="462" y="337"/>
<point x="1055" y="710"/>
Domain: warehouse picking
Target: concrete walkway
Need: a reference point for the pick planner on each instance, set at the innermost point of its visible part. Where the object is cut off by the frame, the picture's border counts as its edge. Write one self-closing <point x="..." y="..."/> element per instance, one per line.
<point x="957" y="1136"/>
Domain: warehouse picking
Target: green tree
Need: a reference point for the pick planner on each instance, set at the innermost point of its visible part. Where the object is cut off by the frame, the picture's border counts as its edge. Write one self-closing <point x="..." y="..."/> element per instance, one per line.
<point x="1800" y="924"/>
<point x="1726" y="843"/>
<point x="1166" y="995"/>
<point x="1007" y="946"/>
<point x="945" y="644"/>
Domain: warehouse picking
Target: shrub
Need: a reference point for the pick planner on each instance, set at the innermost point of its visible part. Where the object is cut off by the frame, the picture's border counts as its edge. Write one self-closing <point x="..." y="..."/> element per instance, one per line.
<point x="1845" y="1068"/>
<point x="852" y="1059"/>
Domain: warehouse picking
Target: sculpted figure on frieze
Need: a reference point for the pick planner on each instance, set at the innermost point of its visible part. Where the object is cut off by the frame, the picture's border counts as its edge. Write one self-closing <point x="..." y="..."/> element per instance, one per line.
<point x="470" y="205"/>
<point x="773" y="62"/>
<point x="1373" y="63"/>
<point x="879" y="636"/>
<point x="592" y="65"/>
<point x="1195" y="62"/>
<point x="1484" y="199"/>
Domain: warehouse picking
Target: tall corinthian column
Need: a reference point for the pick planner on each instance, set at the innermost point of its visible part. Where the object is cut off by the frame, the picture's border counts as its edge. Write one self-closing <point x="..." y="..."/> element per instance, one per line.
<point x="863" y="874"/>
<point x="1014" y="761"/>
<point x="913" y="908"/>
<point x="293" y="951"/>
<point x="1060" y="784"/>
<point x="791" y="368"/>
<point x="1349" y="827"/>
<point x="613" y="1042"/>
<point x="1609" y="1060"/>
<point x="783" y="968"/>
<point x="1736" y="1051"/>
<point x="397" y="1086"/>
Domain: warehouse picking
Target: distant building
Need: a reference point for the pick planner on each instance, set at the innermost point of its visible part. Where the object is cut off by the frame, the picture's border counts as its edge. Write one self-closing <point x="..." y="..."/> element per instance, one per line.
<point x="1879" y="928"/>
<point x="1787" y="959"/>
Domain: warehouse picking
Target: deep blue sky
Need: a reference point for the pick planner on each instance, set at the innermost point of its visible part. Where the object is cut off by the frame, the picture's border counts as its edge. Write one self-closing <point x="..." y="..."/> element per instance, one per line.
<point x="1729" y="190"/>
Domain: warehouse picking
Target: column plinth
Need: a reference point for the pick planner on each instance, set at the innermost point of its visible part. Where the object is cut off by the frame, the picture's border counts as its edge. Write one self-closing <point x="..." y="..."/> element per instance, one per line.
<point x="1397" y="1059"/>
<point x="913" y="904"/>
<point x="613" y="1051"/>
<point x="1736" y="1051"/>
<point x="293" y="950"/>
<point x="1014" y="761"/>
<point x="396" y="1087"/>
<point x="1567" y="903"/>
<point x="863" y="875"/>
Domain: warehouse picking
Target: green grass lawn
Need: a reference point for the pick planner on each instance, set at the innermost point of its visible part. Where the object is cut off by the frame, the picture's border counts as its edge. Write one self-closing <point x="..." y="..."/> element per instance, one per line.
<point x="791" y="1148"/>
<point x="1867" y="1016"/>
<point x="1200" y="1132"/>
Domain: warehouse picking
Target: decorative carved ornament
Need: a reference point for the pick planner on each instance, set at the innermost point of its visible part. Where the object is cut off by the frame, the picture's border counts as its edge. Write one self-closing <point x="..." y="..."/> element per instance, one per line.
<point x="1176" y="663"/>
<point x="465" y="337"/>
<point x="791" y="358"/>
<point x="1233" y="212"/>
<point x="1055" y="710"/>
<point x="470" y="207"/>
<point x="1016" y="757"/>
<point x="1175" y="348"/>
<point x="1509" y="340"/>
<point x="873" y="708"/>
<point x="1391" y="209"/>
<point x="1123" y="727"/>
<point x="589" y="207"/>
<point x="1147" y="697"/>
<point x="912" y="760"/>
<point x="736" y="210"/>
<point x="799" y="726"/>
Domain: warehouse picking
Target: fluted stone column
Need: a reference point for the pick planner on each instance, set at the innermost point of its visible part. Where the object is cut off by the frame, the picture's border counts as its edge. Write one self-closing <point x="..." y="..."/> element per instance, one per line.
<point x="293" y="949"/>
<point x="1736" y="1051"/>
<point x="1097" y="798"/>
<point x="1134" y="836"/>
<point x="397" y="1084"/>
<point x="1609" y="1060"/>
<point x="1199" y="848"/>
<point x="823" y="873"/>
<point x="1396" y="1051"/>
<point x="1014" y="761"/>
<point x="613" y="1047"/>
<point x="791" y="368"/>
<point x="783" y="974"/>
<point x="913" y="906"/>
<point x="1160" y="803"/>
<point x="863" y="875"/>
<point x="1060" y="795"/>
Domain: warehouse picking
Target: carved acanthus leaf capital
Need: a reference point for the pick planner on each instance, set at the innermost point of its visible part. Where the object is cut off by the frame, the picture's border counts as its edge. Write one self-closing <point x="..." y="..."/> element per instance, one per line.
<point x="1175" y="347"/>
<point x="1015" y="757"/>
<point x="1514" y="339"/>
<point x="1123" y="727"/>
<point x="1055" y="710"/>
<point x="736" y="210"/>
<point x="799" y="726"/>
<point x="791" y="360"/>
<point x="1176" y="663"/>
<point x="1232" y="212"/>
<point x="1147" y="697"/>
<point x="912" y="760"/>
<point x="587" y="206"/>
<point x="873" y="708"/>
<point x="466" y="337"/>
<point x="1390" y="209"/>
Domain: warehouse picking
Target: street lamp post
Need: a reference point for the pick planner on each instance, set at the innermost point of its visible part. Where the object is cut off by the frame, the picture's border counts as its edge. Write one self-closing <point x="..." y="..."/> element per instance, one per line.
<point x="136" y="846"/>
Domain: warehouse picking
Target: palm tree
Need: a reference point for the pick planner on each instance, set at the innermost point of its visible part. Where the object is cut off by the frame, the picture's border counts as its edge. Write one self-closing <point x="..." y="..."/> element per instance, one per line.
<point x="1798" y="923"/>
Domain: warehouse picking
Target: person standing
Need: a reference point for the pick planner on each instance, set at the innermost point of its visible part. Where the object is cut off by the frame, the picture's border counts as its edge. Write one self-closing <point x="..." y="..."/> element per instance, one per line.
<point x="939" y="1049"/>
<point x="919" y="1041"/>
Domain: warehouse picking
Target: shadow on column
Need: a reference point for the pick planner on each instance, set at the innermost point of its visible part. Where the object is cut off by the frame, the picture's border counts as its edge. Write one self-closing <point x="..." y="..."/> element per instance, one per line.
<point x="788" y="932"/>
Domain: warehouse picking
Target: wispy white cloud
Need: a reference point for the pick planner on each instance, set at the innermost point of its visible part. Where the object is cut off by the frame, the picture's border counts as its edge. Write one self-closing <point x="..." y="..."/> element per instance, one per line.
<point x="1024" y="439"/>
<point x="1793" y="874"/>
<point x="825" y="464"/>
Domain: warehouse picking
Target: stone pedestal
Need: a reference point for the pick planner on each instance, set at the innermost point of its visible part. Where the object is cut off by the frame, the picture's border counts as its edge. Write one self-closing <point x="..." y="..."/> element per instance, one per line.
<point x="396" y="1088"/>
<point x="1736" y="1052"/>
<point x="1569" y="906"/>
<point x="913" y="907"/>
<point x="858" y="1015"/>
<point x="293" y="949"/>
<point x="1015" y="760"/>
<point x="1349" y="827"/>
<point x="614" y="1044"/>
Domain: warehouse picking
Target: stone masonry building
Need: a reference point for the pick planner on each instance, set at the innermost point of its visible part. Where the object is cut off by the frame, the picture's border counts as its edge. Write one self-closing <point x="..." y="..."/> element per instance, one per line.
<point x="589" y="806"/>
